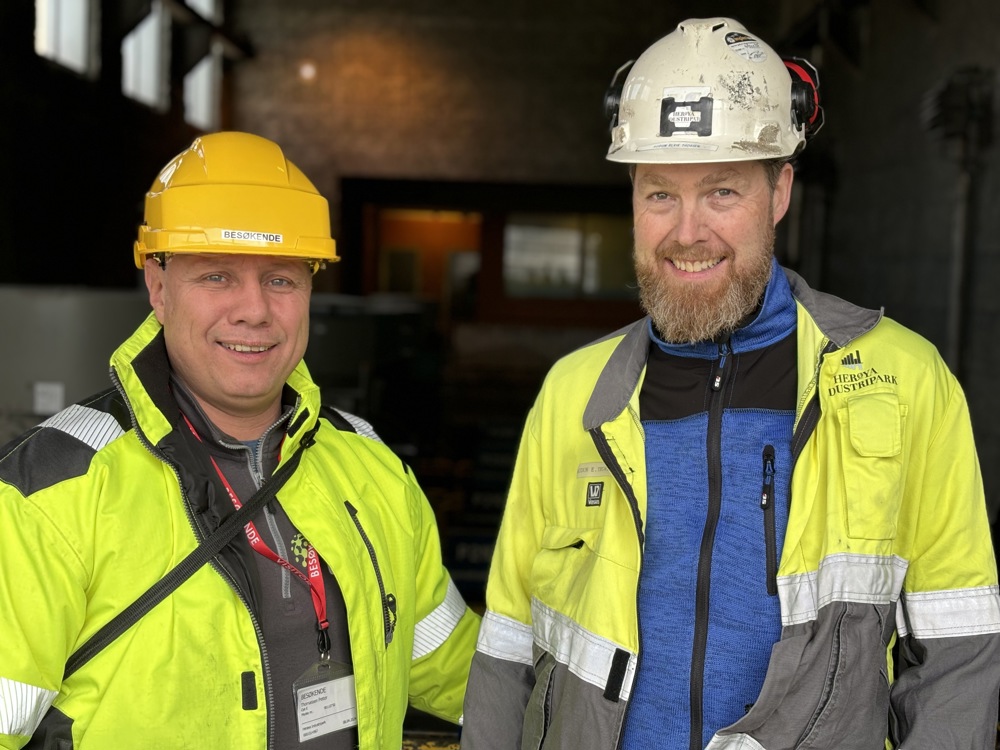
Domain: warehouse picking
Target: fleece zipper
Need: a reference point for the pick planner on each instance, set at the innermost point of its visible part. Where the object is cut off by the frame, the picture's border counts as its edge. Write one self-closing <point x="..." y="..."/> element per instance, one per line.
<point x="713" y="447"/>
<point x="767" y="506"/>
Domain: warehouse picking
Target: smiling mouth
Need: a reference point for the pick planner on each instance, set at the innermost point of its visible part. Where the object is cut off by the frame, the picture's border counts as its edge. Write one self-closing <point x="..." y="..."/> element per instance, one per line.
<point x="694" y="266"/>
<point x="246" y="348"/>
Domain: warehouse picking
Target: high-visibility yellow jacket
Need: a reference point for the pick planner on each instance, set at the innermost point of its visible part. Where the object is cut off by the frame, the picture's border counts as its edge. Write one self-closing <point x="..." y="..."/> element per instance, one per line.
<point x="92" y="513"/>
<point x="887" y="540"/>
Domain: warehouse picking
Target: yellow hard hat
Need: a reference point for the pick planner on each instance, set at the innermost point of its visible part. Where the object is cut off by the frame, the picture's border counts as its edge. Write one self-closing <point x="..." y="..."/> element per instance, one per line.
<point x="235" y="193"/>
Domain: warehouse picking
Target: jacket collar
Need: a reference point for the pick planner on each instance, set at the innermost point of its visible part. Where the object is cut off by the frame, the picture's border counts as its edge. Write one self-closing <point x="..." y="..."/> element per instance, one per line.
<point x="141" y="370"/>
<point x="837" y="320"/>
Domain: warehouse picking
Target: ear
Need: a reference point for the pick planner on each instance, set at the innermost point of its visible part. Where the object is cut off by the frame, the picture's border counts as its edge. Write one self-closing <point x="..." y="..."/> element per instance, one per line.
<point x="782" y="194"/>
<point x="154" y="283"/>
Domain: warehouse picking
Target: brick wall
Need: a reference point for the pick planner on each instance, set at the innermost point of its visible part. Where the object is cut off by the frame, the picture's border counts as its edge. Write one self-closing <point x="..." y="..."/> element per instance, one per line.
<point x="507" y="91"/>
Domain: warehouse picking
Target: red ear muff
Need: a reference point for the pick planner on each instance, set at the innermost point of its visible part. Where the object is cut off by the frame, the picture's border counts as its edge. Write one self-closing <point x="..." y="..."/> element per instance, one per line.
<point x="805" y="95"/>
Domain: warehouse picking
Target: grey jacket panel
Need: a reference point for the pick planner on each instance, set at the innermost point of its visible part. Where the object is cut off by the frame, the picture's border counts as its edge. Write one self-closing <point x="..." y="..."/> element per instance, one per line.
<point x="932" y="719"/>
<point x="620" y="376"/>
<point x="497" y="697"/>
<point x="561" y="711"/>
<point x="566" y="713"/>
<point x="821" y="691"/>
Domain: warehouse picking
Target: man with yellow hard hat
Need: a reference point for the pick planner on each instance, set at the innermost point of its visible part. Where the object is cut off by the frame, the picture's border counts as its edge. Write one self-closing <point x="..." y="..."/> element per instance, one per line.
<point x="205" y="555"/>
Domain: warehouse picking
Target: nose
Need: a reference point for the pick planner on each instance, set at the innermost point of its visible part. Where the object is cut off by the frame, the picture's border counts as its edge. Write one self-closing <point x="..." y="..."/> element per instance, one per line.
<point x="250" y="305"/>
<point x="690" y="228"/>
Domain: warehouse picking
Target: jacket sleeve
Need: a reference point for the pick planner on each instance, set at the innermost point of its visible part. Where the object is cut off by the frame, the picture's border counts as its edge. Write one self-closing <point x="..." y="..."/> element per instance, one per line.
<point x="503" y="675"/>
<point x="445" y="631"/>
<point x="945" y="694"/>
<point x="42" y="606"/>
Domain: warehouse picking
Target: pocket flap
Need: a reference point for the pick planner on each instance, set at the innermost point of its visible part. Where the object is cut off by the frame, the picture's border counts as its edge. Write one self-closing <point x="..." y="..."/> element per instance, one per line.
<point x="560" y="537"/>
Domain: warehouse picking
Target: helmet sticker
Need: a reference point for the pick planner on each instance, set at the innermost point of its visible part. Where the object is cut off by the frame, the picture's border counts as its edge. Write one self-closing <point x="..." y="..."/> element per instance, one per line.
<point x="238" y="234"/>
<point x="677" y="145"/>
<point x="686" y="112"/>
<point x="686" y="117"/>
<point x="746" y="46"/>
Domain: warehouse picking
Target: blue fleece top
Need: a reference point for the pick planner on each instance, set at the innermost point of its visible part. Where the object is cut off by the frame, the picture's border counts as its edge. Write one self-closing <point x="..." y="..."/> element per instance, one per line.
<point x="706" y="536"/>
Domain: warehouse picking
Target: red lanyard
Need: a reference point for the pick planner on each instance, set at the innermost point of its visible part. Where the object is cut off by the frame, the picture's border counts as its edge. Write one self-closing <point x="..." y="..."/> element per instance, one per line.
<point x="313" y="577"/>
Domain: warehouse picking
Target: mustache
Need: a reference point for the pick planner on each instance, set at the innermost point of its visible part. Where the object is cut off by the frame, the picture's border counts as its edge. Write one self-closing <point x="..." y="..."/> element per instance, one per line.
<point x="691" y="253"/>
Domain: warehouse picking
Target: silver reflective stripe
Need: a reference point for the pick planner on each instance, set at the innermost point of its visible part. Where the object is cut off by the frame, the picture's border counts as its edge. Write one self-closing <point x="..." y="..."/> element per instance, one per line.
<point x="505" y="638"/>
<point x="360" y="426"/>
<point x="734" y="742"/>
<point x="946" y="614"/>
<point x="588" y="656"/>
<point x="434" y="629"/>
<point x="93" y="427"/>
<point x="842" y="577"/>
<point x="22" y="707"/>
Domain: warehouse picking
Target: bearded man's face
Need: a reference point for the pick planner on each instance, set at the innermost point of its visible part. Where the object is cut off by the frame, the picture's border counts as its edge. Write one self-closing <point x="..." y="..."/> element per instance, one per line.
<point x="704" y="239"/>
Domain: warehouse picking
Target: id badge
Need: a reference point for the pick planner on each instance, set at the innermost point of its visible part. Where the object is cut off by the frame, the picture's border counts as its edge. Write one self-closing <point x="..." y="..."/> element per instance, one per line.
<point x="325" y="700"/>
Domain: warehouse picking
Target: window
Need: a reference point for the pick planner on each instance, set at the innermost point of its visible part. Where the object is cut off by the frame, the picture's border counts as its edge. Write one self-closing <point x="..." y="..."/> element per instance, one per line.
<point x="203" y="83"/>
<point x="207" y="9"/>
<point x="64" y="33"/>
<point x="571" y="256"/>
<point x="536" y="255"/>
<point x="145" y="59"/>
<point x="202" y="86"/>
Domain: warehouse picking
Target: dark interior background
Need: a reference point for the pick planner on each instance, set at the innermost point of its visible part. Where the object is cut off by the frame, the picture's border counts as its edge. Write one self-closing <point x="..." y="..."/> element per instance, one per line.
<point x="431" y="125"/>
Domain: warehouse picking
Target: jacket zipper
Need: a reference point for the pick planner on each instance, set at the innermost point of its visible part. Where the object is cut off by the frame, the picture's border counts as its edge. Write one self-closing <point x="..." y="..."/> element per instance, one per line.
<point x="713" y="446"/>
<point x="604" y="450"/>
<point x="223" y="573"/>
<point x="388" y="600"/>
<point x="767" y="505"/>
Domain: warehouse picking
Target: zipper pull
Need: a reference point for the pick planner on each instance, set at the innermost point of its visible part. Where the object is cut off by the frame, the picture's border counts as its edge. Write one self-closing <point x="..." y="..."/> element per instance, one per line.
<point x="390" y="606"/>
<point x="723" y="353"/>
<point x="767" y="486"/>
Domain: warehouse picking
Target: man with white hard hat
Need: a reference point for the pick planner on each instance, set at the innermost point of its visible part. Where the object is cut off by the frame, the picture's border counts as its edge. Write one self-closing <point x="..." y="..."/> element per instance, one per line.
<point x="753" y="519"/>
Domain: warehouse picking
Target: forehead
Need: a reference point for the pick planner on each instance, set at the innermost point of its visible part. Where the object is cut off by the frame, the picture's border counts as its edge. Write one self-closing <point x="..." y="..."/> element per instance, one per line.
<point x="700" y="175"/>
<point x="240" y="262"/>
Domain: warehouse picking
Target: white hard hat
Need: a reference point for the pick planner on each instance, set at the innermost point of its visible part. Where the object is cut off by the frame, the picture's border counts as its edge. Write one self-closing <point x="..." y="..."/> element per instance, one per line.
<point x="710" y="91"/>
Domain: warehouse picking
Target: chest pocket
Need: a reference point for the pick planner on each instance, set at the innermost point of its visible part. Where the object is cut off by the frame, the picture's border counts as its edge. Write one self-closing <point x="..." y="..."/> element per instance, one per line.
<point x="872" y="451"/>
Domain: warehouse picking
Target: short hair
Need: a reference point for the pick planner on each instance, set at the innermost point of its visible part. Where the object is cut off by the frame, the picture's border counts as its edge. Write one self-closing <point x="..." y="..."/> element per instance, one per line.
<point x="772" y="169"/>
